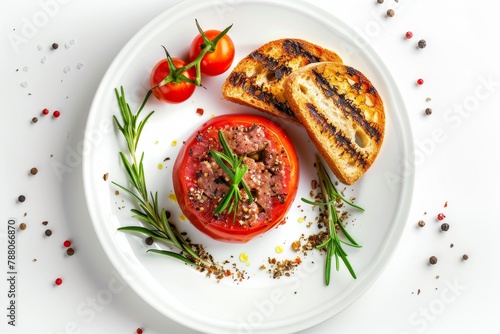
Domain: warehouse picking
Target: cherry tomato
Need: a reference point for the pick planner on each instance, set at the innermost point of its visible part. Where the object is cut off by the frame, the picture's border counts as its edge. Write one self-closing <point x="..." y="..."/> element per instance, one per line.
<point x="272" y="177"/>
<point x="172" y="92"/>
<point x="217" y="62"/>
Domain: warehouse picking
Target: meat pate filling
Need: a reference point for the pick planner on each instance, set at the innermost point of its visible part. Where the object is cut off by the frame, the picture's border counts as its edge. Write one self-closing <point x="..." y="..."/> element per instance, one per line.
<point x="265" y="175"/>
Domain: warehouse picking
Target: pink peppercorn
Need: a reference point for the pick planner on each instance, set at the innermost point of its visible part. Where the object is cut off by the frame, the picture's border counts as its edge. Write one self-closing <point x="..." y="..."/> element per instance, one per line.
<point x="58" y="281"/>
<point x="408" y="35"/>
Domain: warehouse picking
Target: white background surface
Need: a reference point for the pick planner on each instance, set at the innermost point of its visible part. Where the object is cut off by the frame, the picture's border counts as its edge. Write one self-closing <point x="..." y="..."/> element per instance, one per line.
<point x="456" y="154"/>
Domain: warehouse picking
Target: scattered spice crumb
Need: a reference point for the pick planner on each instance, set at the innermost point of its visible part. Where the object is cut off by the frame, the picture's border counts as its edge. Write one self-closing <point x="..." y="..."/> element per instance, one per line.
<point x="45" y="223"/>
<point x="428" y="99"/>
<point x="418" y="292"/>
<point x="105" y="176"/>
<point x="451" y="245"/>
<point x="200" y="111"/>
<point x="433" y="260"/>
<point x="283" y="268"/>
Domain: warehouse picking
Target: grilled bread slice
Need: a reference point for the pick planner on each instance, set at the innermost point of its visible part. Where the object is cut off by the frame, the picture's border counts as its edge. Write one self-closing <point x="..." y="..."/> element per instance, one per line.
<point x="257" y="80"/>
<point x="343" y="114"/>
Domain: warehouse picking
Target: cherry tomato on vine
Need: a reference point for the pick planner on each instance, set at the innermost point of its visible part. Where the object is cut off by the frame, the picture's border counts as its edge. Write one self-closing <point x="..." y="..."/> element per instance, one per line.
<point x="174" y="91"/>
<point x="218" y="61"/>
<point x="272" y="177"/>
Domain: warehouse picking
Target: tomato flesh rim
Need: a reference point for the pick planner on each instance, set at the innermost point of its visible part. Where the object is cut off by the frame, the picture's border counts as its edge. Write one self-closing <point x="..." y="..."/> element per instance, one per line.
<point x="222" y="228"/>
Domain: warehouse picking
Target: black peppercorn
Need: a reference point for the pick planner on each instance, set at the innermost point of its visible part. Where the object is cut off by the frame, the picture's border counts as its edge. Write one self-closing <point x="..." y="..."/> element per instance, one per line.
<point x="465" y="257"/>
<point x="55" y="46"/>
<point x="422" y="43"/>
<point x="433" y="260"/>
<point x="380" y="1"/>
<point x="445" y="226"/>
<point x="70" y="251"/>
<point x="149" y="241"/>
<point x="33" y="171"/>
<point x="391" y="12"/>
<point x="421" y="223"/>
<point x="48" y="232"/>
<point x="21" y="198"/>
<point x="428" y="111"/>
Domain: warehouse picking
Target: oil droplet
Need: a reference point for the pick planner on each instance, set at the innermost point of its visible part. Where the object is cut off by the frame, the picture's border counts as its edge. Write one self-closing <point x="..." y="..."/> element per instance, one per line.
<point x="172" y="198"/>
<point x="243" y="257"/>
<point x="156" y="142"/>
<point x="174" y="142"/>
<point x="300" y="220"/>
<point x="182" y="217"/>
<point x="279" y="249"/>
<point x="160" y="166"/>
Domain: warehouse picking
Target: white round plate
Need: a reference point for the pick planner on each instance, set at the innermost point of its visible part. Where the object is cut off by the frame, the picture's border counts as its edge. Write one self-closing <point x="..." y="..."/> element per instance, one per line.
<point x="258" y="303"/>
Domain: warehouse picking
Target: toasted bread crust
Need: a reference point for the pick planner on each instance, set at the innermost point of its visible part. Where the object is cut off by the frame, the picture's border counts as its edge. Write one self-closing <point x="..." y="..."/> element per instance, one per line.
<point x="343" y="114"/>
<point x="257" y="80"/>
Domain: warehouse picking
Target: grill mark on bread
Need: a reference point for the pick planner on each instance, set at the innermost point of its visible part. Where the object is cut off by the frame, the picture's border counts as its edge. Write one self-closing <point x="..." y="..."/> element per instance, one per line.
<point x="346" y="105"/>
<point x="295" y="48"/>
<point x="240" y="79"/>
<point x="338" y="136"/>
<point x="279" y="70"/>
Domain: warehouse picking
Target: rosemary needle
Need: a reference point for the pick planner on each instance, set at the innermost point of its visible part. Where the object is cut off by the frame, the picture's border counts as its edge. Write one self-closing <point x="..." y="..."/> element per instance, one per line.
<point x="333" y="244"/>
<point x="234" y="168"/>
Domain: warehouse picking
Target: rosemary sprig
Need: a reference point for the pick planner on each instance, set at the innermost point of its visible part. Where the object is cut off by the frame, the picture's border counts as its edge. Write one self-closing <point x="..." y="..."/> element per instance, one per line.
<point x="234" y="168"/>
<point x="333" y="244"/>
<point x="148" y="211"/>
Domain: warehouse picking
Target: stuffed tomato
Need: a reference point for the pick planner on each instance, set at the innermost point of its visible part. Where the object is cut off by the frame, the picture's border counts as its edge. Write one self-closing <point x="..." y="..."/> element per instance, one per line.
<point x="268" y="168"/>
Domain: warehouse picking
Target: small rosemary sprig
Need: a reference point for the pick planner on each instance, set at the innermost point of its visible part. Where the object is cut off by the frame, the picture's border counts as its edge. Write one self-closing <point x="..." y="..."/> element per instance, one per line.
<point x="333" y="244"/>
<point x="149" y="211"/>
<point x="232" y="165"/>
